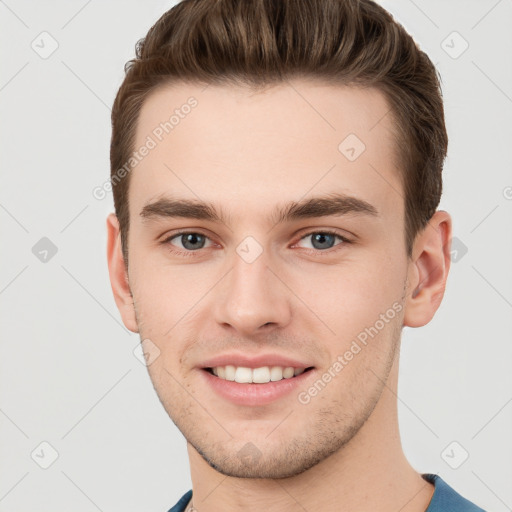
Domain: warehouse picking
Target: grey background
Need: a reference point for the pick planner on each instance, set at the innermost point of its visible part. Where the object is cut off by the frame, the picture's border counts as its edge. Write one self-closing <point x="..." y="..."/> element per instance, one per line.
<point x="69" y="376"/>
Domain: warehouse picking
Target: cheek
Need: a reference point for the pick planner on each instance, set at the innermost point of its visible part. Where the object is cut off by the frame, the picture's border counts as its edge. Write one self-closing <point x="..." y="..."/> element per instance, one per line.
<point x="351" y="297"/>
<point x="169" y="303"/>
<point x="163" y="294"/>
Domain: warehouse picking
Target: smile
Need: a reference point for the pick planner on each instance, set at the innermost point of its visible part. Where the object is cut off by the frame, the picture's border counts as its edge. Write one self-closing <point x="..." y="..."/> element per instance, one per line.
<point x="261" y="375"/>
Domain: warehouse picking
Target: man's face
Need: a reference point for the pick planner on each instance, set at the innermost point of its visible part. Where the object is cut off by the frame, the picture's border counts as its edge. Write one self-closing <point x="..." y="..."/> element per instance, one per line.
<point x="255" y="285"/>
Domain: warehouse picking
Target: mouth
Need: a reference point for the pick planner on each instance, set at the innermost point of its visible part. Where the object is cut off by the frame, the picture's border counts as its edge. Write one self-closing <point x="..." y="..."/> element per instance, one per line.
<point x="261" y="375"/>
<point x="257" y="385"/>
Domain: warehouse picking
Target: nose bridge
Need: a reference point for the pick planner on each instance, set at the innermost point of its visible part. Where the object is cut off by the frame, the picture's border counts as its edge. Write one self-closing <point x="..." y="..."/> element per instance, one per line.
<point x="251" y="296"/>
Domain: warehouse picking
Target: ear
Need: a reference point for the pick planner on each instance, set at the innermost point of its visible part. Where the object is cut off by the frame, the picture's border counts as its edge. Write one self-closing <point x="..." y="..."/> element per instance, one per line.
<point x="428" y="270"/>
<point x="119" y="275"/>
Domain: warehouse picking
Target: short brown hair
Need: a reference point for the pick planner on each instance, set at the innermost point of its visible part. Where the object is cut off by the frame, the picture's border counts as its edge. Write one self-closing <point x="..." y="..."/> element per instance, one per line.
<point x="265" y="42"/>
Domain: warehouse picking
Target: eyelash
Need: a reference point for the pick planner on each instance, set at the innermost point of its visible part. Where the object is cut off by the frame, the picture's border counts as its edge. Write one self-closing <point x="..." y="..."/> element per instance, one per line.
<point x="320" y="252"/>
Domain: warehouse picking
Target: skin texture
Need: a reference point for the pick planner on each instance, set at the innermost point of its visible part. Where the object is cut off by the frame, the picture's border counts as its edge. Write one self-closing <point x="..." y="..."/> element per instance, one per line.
<point x="247" y="153"/>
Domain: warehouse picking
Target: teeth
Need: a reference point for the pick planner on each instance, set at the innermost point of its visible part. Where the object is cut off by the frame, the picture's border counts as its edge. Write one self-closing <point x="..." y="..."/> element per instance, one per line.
<point x="288" y="372"/>
<point x="261" y="375"/>
<point x="230" y="373"/>
<point x="276" y="373"/>
<point x="243" y="375"/>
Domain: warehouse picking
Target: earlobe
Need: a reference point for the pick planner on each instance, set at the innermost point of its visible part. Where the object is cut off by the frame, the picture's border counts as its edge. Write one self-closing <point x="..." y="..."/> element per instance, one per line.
<point x="428" y="270"/>
<point x="119" y="276"/>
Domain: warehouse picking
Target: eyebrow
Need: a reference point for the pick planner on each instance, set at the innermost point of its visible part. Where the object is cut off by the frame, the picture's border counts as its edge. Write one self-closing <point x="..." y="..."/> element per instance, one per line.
<point x="322" y="206"/>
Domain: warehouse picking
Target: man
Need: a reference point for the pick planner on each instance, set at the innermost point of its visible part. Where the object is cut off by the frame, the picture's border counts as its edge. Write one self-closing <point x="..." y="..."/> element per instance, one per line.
<point x="276" y="169"/>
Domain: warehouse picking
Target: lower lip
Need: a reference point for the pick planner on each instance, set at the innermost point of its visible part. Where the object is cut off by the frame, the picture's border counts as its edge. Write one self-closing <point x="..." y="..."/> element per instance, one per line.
<point x="254" y="394"/>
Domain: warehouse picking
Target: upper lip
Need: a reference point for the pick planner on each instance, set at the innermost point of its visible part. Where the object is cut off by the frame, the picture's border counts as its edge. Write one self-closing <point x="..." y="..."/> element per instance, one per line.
<point x="256" y="361"/>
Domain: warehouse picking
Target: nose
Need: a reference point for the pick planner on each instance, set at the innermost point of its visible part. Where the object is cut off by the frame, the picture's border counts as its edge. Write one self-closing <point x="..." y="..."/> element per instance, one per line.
<point x="251" y="298"/>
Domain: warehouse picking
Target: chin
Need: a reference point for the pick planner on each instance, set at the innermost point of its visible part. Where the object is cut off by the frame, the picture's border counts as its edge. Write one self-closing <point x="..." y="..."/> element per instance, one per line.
<point x="283" y="461"/>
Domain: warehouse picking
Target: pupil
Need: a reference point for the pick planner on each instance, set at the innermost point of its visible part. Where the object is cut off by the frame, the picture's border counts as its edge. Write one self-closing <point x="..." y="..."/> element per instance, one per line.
<point x="191" y="239"/>
<point x="322" y="241"/>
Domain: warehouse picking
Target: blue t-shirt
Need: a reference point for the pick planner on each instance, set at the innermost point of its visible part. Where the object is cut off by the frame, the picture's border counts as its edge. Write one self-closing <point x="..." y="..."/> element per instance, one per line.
<point x="444" y="499"/>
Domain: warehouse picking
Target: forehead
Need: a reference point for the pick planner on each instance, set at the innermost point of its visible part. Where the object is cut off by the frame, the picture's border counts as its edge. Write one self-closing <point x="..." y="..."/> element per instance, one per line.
<point x="257" y="149"/>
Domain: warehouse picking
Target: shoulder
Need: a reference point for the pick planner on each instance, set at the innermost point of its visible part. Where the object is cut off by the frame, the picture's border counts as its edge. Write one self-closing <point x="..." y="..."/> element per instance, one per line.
<point x="444" y="498"/>
<point x="182" y="503"/>
<point x="447" y="498"/>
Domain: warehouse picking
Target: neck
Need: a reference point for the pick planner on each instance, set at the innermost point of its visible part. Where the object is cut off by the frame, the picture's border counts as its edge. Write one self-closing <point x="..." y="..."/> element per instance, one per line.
<point x="370" y="473"/>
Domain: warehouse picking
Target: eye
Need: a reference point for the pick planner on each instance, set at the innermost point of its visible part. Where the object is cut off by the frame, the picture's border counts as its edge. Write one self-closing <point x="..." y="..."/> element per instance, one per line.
<point x="189" y="241"/>
<point x="322" y="240"/>
<point x="186" y="243"/>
